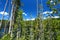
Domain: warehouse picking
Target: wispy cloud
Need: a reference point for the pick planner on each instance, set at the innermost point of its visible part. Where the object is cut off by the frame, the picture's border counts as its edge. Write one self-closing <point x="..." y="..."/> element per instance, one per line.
<point x="5" y="13"/>
<point x="33" y="19"/>
<point x="46" y="12"/>
<point x="51" y="17"/>
<point x="51" y="1"/>
<point x="55" y="17"/>
<point x="29" y="19"/>
<point x="50" y="12"/>
<point x="24" y="14"/>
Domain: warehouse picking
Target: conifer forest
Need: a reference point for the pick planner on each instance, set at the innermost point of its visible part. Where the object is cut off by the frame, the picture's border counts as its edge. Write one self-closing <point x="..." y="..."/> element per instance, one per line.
<point x="42" y="27"/>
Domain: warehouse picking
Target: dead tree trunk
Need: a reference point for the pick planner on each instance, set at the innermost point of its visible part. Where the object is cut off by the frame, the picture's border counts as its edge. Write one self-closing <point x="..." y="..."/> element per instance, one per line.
<point x="11" y="21"/>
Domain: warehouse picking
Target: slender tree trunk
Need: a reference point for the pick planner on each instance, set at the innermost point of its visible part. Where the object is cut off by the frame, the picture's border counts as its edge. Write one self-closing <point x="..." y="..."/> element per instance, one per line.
<point x="18" y="35"/>
<point x="55" y="36"/>
<point x="41" y="34"/>
<point x="31" y="28"/>
<point x="3" y="13"/>
<point x="50" y="29"/>
<point x="31" y="32"/>
<point x="11" y="21"/>
<point x="5" y="27"/>
<point x="6" y="23"/>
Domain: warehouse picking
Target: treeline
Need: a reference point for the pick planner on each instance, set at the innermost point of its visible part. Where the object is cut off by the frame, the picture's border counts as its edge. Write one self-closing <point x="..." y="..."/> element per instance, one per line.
<point x="29" y="30"/>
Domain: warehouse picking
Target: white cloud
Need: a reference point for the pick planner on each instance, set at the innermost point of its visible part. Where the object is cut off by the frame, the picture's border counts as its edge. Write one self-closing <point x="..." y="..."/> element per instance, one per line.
<point x="25" y="14"/>
<point x="50" y="12"/>
<point x="44" y="18"/>
<point x="54" y="3"/>
<point x="51" y="17"/>
<point x="51" y="1"/>
<point x="55" y="17"/>
<point x="5" y="13"/>
<point x="29" y="19"/>
<point x="33" y="19"/>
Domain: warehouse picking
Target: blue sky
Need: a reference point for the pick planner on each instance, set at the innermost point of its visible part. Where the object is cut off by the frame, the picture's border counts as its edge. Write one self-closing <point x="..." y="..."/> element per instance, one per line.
<point x="2" y="4"/>
<point x="29" y="7"/>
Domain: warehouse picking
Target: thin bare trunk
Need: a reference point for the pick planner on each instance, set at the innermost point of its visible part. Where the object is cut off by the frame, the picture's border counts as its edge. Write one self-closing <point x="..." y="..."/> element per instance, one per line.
<point x="3" y="13"/>
<point x="6" y="23"/>
<point x="11" y="21"/>
<point x="5" y="27"/>
<point x="41" y="34"/>
<point x="18" y="34"/>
